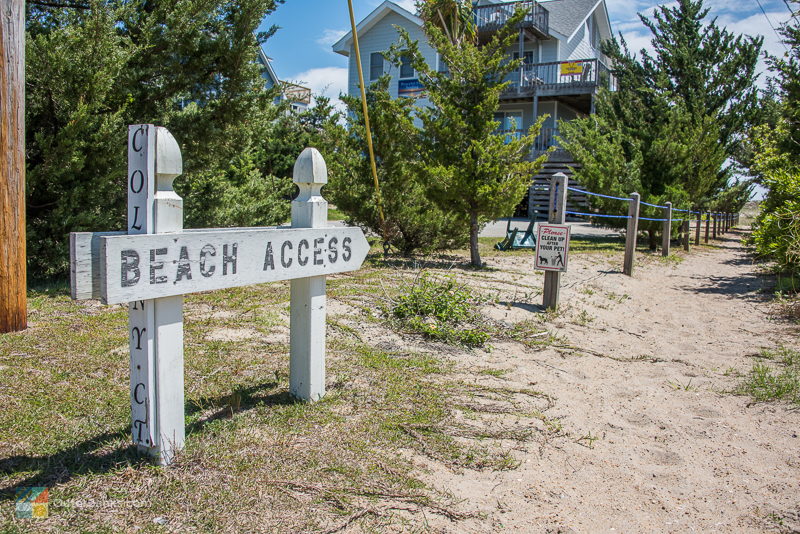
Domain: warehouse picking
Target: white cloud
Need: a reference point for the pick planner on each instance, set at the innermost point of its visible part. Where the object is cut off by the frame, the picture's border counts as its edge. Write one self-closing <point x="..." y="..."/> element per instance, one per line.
<point x="329" y="37"/>
<point x="409" y="5"/>
<point x="326" y="81"/>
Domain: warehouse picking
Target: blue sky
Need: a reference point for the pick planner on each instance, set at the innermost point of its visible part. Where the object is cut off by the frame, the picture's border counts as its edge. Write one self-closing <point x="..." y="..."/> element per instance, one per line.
<point x="302" y="47"/>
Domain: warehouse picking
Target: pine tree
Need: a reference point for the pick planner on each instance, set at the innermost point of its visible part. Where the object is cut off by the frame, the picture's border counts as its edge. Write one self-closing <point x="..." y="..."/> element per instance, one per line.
<point x="412" y="221"/>
<point x="188" y="65"/>
<point x="469" y="169"/>
<point x="676" y="117"/>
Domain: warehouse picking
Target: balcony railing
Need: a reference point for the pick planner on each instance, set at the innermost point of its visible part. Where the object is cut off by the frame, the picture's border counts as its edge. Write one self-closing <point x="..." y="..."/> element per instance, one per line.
<point x="545" y="139"/>
<point x="561" y="76"/>
<point x="493" y="17"/>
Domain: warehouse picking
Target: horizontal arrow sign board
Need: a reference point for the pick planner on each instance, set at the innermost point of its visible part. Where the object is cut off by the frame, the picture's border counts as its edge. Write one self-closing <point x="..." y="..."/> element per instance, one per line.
<point x="148" y="266"/>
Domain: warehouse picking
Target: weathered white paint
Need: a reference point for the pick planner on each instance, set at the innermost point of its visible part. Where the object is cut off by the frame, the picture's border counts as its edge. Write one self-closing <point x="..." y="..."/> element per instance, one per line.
<point x="141" y="314"/>
<point x="136" y="267"/>
<point x="308" y="302"/>
<point x="156" y="262"/>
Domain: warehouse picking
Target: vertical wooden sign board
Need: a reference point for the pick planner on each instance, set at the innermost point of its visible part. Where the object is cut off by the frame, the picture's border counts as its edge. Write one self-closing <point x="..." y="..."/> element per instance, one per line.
<point x="156" y="325"/>
<point x="557" y="216"/>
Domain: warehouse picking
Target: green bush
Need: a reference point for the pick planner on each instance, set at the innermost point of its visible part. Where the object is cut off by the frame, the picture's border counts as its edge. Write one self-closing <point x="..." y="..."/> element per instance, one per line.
<point x="441" y="310"/>
<point x="776" y="230"/>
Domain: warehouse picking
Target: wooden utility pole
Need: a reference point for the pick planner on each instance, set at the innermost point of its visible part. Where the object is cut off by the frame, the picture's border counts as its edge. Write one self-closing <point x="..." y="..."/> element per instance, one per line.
<point x="13" y="283"/>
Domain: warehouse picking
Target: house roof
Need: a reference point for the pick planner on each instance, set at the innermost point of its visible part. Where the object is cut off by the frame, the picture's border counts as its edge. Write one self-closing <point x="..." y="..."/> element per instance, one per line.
<point x="266" y="61"/>
<point x="342" y="46"/>
<point x="567" y="16"/>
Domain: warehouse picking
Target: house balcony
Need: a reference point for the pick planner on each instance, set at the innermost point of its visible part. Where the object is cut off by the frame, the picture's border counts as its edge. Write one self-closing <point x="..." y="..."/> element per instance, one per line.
<point x="560" y="78"/>
<point x="489" y="19"/>
<point x="548" y="137"/>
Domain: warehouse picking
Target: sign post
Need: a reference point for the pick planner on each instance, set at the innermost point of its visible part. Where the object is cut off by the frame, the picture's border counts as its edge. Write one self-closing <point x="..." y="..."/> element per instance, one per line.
<point x="551" y="254"/>
<point x="156" y="262"/>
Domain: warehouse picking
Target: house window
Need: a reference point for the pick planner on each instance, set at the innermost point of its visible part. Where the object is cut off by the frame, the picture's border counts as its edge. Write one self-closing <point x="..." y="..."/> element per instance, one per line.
<point x="406" y="70"/>
<point x="375" y="65"/>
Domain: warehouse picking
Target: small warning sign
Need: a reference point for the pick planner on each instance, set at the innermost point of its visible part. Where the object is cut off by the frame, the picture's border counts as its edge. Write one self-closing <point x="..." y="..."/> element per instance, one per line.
<point x="552" y="246"/>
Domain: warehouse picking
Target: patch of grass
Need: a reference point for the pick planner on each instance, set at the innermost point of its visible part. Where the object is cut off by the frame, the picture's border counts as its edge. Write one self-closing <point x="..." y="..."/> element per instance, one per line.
<point x="66" y="407"/>
<point x="334" y="214"/>
<point x="788" y="305"/>
<point x="775" y="378"/>
<point x="673" y="260"/>
<point x="497" y="373"/>
<point x="440" y="309"/>
<point x="589" y="244"/>
<point x="587" y="440"/>
<point x="681" y="386"/>
<point x="584" y="318"/>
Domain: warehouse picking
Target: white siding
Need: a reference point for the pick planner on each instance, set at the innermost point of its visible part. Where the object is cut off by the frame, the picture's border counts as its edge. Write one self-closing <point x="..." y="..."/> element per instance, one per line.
<point x="549" y="51"/>
<point x="378" y="39"/>
<point x="578" y="47"/>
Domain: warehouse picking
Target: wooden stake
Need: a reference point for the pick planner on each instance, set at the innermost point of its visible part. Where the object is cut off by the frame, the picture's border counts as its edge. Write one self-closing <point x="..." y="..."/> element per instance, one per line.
<point x="686" y="233"/>
<point x="665" y="243"/>
<point x="13" y="281"/>
<point x="697" y="230"/>
<point x="631" y="234"/>
<point x="558" y="208"/>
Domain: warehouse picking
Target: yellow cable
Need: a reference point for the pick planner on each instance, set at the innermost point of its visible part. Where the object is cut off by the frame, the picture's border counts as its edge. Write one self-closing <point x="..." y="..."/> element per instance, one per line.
<point x="366" y="119"/>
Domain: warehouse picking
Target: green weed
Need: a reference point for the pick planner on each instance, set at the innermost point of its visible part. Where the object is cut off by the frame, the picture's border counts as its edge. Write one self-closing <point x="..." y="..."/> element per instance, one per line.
<point x="440" y="309"/>
<point x="777" y="380"/>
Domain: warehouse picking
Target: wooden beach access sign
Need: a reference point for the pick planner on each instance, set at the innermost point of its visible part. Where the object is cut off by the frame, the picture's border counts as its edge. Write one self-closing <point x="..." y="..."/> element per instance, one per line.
<point x="156" y="262"/>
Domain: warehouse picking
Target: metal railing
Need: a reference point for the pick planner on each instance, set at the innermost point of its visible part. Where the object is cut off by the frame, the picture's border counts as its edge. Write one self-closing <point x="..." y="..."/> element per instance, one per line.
<point x="545" y="139"/>
<point x="493" y="17"/>
<point x="556" y="75"/>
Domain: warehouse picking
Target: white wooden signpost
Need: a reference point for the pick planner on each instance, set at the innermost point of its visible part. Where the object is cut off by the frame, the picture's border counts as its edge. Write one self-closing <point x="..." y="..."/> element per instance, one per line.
<point x="156" y="262"/>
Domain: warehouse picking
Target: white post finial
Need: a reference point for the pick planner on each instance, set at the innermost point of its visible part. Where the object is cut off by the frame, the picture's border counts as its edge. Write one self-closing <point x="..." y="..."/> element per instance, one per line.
<point x="169" y="162"/>
<point x="309" y="209"/>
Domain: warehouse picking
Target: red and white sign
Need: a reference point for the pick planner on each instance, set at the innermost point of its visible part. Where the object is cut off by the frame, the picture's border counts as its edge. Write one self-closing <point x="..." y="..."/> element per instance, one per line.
<point x="552" y="247"/>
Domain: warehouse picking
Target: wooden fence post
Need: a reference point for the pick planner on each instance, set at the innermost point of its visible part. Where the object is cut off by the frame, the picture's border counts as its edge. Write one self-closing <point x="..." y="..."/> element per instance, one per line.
<point x="686" y="237"/>
<point x="308" y="301"/>
<point x="558" y="208"/>
<point x="697" y="230"/>
<point x="667" y="231"/>
<point x="13" y="278"/>
<point x="708" y="226"/>
<point x="632" y="233"/>
<point x="716" y="226"/>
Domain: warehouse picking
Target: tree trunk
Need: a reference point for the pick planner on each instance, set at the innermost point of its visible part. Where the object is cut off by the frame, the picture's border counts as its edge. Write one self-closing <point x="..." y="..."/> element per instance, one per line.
<point x="13" y="282"/>
<point x="653" y="239"/>
<point x="475" y="254"/>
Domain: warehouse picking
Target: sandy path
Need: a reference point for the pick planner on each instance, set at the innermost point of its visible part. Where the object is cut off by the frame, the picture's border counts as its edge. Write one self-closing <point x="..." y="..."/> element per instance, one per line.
<point x="675" y="453"/>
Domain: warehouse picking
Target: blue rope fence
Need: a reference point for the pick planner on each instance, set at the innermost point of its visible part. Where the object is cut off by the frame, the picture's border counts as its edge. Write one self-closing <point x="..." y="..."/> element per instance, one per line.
<point x="598" y="215"/>
<point x="703" y="219"/>
<point x="597" y="194"/>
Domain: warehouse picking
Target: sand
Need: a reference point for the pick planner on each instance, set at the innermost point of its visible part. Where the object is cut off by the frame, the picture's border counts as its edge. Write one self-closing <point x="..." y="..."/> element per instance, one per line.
<point x="653" y="440"/>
